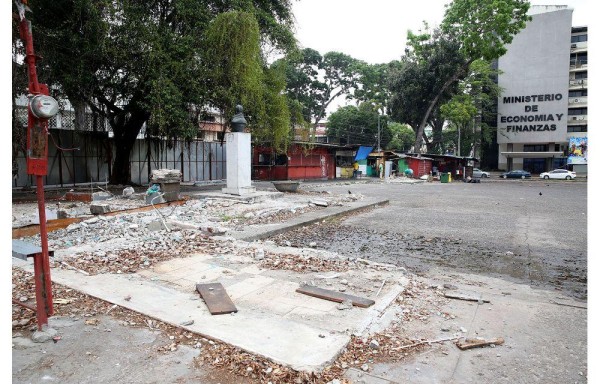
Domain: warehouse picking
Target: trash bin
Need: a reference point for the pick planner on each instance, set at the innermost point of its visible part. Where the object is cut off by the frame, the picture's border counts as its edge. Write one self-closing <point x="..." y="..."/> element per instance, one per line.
<point x="445" y="177"/>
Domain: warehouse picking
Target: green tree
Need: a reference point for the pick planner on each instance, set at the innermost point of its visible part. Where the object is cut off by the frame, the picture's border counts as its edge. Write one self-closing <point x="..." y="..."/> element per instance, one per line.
<point x="460" y="113"/>
<point x="234" y="65"/>
<point x="359" y="125"/>
<point x="430" y="56"/>
<point x="373" y="85"/>
<point x="142" y="63"/>
<point x="483" y="29"/>
<point x="402" y="137"/>
<point x="315" y="80"/>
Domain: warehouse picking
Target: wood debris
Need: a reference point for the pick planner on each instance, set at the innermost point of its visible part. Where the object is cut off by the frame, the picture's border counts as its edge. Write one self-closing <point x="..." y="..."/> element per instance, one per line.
<point x="478" y="342"/>
<point x="462" y="296"/>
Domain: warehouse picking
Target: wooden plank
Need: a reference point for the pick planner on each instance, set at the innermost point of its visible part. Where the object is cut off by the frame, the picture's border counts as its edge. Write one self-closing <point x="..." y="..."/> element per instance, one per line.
<point x="336" y="296"/>
<point x="475" y="343"/>
<point x="216" y="298"/>
<point x="462" y="296"/>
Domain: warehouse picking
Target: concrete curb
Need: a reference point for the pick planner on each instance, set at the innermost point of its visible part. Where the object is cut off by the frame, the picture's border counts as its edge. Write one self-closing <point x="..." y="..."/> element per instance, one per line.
<point x="253" y="234"/>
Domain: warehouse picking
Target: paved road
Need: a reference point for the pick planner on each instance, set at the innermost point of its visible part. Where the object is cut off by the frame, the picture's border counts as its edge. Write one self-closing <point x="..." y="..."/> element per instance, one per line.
<point x="530" y="231"/>
<point x="523" y="244"/>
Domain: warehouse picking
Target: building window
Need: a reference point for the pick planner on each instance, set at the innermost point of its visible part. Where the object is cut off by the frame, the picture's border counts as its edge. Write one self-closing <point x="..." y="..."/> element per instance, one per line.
<point x="581" y="75"/>
<point x="577" y="111"/>
<point x="535" y="148"/>
<point x="579" y="58"/>
<point x="579" y="93"/>
<point x="577" y="128"/>
<point x="578" y="38"/>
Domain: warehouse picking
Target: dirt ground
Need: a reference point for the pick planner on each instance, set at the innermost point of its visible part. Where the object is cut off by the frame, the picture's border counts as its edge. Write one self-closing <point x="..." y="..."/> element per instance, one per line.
<point x="98" y="343"/>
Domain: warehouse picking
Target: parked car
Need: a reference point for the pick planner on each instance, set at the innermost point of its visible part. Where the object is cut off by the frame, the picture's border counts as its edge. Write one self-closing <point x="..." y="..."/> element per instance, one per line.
<point x="516" y="174"/>
<point x="479" y="173"/>
<point x="558" y="174"/>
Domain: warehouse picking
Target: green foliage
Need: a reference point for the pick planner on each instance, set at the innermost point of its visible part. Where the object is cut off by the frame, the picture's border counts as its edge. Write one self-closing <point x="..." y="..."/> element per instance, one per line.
<point x="432" y="58"/>
<point x="233" y="62"/>
<point x="474" y="103"/>
<point x="315" y="81"/>
<point x="358" y="125"/>
<point x="475" y="30"/>
<point x="484" y="28"/>
<point x="373" y="85"/>
<point x="402" y="137"/>
<point x="138" y="62"/>
<point x="276" y="129"/>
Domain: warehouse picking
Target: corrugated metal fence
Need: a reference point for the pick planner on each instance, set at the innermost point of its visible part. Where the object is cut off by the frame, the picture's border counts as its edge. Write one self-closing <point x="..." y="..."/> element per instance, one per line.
<point x="84" y="156"/>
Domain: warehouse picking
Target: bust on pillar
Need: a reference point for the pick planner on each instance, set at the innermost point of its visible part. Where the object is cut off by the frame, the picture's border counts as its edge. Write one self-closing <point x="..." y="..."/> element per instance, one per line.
<point x="238" y="122"/>
<point x="239" y="156"/>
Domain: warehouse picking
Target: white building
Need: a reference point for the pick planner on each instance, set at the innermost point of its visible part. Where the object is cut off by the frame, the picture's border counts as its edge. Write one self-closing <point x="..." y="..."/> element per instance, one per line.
<point x="542" y="112"/>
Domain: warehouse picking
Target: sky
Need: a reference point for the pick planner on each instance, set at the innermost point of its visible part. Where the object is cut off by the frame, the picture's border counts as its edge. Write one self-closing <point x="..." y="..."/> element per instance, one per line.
<point x="375" y="31"/>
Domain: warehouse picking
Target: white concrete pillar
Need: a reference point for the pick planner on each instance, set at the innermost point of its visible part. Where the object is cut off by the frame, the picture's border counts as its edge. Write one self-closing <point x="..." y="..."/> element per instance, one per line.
<point x="239" y="164"/>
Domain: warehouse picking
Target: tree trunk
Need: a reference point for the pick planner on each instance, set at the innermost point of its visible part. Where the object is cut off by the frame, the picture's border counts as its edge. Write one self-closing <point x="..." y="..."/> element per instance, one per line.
<point x="419" y="138"/>
<point x="79" y="107"/>
<point x="125" y="132"/>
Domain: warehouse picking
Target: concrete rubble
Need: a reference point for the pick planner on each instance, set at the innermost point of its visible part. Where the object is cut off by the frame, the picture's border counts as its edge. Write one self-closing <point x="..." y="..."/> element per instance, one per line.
<point x="143" y="244"/>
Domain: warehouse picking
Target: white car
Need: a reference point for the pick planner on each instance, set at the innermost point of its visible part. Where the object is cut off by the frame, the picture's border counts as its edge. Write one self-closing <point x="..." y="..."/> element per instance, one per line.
<point x="562" y="174"/>
<point x="479" y="173"/>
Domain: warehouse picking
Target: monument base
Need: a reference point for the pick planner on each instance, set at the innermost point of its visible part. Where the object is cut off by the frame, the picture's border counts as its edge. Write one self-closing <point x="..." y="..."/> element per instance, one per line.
<point x="239" y="191"/>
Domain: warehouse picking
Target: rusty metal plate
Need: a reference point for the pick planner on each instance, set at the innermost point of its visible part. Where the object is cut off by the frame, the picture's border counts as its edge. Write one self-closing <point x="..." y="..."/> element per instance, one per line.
<point x="216" y="298"/>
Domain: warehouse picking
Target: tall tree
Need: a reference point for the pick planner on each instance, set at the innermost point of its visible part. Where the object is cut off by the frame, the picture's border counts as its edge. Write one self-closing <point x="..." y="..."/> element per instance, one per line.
<point x="483" y="29"/>
<point x="402" y="137"/>
<point x="430" y="56"/>
<point x="315" y="80"/>
<point x="140" y="63"/>
<point x="359" y="125"/>
<point x="373" y="85"/>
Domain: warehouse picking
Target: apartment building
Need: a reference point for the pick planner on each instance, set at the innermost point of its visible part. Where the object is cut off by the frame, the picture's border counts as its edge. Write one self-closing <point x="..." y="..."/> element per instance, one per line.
<point x="542" y="112"/>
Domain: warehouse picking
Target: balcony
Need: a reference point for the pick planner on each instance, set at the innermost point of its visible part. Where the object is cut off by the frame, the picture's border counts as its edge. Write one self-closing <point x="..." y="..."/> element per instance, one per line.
<point x="578" y="84"/>
<point x="577" y="101"/>
<point x="578" y="65"/>
<point x="579" y="47"/>
<point x="577" y="120"/>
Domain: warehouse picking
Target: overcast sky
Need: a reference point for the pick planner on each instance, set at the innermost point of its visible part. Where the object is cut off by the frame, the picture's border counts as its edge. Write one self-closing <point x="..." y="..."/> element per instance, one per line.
<point x="375" y="30"/>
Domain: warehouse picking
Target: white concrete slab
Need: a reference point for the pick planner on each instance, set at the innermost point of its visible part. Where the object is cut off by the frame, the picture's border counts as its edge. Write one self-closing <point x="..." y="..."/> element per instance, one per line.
<point x="294" y="344"/>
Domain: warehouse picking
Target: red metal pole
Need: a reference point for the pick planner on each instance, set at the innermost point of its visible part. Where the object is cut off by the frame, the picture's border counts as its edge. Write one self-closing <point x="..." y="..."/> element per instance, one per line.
<point x="40" y="294"/>
<point x="44" y="273"/>
<point x="43" y="282"/>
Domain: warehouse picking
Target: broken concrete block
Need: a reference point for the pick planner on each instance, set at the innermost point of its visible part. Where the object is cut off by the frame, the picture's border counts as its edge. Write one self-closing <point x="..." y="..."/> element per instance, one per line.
<point x="156" y="225"/>
<point x="128" y="191"/>
<point x="44" y="335"/>
<point x="320" y="203"/>
<point x="99" y="209"/>
<point x="99" y="196"/>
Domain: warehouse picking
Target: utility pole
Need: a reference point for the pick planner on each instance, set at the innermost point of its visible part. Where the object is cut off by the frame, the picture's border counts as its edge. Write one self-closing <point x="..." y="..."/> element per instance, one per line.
<point x="378" y="133"/>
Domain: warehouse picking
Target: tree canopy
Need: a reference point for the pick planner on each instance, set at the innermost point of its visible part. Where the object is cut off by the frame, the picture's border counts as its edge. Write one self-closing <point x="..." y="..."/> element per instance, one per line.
<point x="359" y="125"/>
<point x="482" y="29"/>
<point x="315" y="81"/>
<point x="146" y="64"/>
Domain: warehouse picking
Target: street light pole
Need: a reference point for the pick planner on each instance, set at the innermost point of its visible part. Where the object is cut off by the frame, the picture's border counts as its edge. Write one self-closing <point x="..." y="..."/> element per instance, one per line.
<point x="378" y="133"/>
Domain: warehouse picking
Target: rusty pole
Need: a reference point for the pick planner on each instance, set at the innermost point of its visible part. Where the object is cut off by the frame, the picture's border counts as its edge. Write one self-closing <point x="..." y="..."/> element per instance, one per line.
<point x="41" y="262"/>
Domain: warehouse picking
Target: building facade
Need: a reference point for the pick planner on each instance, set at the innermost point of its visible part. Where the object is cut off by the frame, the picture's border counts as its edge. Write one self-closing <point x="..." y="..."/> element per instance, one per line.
<point x="542" y="111"/>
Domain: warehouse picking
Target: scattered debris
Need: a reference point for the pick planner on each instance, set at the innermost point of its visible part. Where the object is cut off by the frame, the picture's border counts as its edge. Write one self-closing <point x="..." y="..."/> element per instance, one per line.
<point x="73" y="268"/>
<point x="216" y="298"/>
<point x="338" y="297"/>
<point x="478" y="342"/>
<point x="461" y="296"/>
